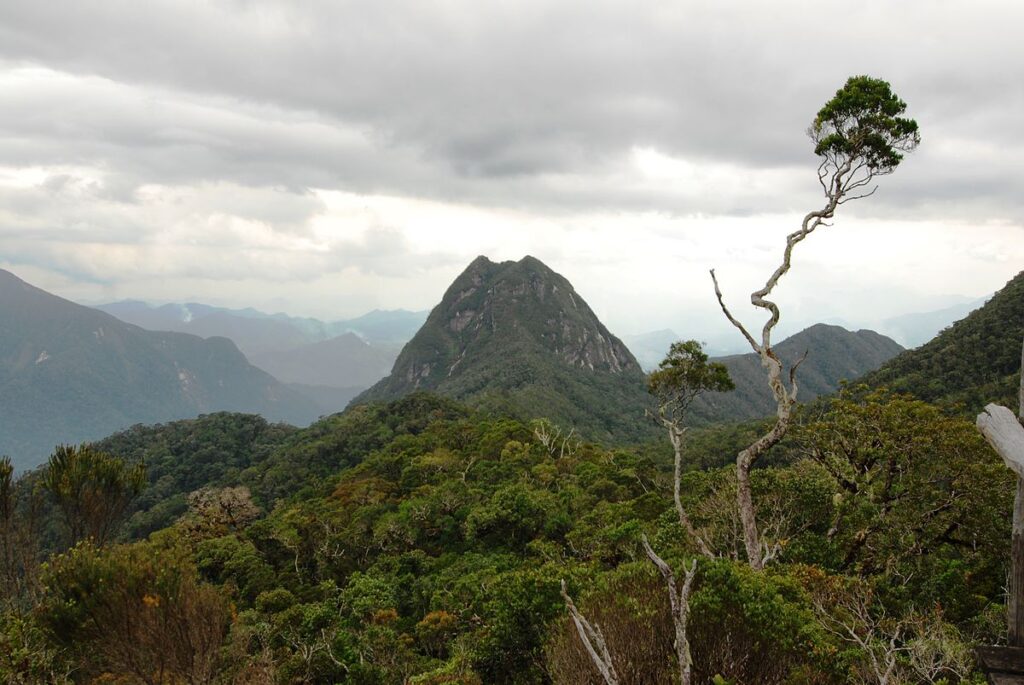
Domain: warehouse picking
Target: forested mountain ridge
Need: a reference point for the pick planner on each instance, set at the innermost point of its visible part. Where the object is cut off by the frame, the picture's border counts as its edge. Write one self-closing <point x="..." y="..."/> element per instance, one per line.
<point x="833" y="354"/>
<point x="516" y="337"/>
<point x="70" y="373"/>
<point x="187" y="455"/>
<point x="973" y="362"/>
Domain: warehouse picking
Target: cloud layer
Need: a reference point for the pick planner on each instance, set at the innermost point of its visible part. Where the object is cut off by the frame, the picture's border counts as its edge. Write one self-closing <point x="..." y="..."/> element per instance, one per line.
<point x="326" y="157"/>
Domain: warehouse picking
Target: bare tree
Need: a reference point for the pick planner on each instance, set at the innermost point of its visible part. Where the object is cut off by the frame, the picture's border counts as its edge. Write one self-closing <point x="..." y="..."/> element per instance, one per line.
<point x="859" y="135"/>
<point x="558" y="443"/>
<point x="681" y="377"/>
<point x="851" y="615"/>
<point x="915" y="647"/>
<point x="936" y="651"/>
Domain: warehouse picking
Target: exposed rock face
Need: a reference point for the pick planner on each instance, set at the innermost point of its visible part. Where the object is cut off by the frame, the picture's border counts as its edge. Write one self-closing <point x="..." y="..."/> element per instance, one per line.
<point x="509" y="329"/>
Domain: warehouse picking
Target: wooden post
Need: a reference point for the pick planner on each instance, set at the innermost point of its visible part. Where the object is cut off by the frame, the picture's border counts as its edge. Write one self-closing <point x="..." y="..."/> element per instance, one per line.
<point x="1015" y="603"/>
<point x="1005" y="433"/>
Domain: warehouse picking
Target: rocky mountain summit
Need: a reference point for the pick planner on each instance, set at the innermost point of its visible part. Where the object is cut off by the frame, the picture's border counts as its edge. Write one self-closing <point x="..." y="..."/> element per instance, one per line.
<point x="517" y="335"/>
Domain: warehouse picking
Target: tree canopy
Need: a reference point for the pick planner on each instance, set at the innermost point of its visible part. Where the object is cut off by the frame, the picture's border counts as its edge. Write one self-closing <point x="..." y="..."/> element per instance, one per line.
<point x="861" y="128"/>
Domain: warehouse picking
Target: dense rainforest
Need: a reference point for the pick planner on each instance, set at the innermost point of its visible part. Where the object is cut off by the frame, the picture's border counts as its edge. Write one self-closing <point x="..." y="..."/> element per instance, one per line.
<point x="422" y="542"/>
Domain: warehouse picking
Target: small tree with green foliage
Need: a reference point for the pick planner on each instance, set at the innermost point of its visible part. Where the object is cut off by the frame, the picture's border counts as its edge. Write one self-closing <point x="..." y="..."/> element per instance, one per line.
<point x="682" y="376"/>
<point x="21" y="522"/>
<point x="92" y="489"/>
<point x="138" y="612"/>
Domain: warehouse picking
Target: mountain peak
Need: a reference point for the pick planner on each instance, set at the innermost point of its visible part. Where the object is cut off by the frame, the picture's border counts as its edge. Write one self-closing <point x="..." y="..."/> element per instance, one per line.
<point x="509" y="328"/>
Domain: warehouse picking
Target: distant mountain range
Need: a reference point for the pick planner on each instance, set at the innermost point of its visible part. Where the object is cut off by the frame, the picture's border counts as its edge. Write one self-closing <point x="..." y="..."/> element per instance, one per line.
<point x="328" y="363"/>
<point x="650" y="348"/>
<point x="516" y="337"/>
<point x="343" y="361"/>
<point x="510" y="337"/>
<point x="909" y="330"/>
<point x="256" y="332"/>
<point x="70" y="373"/>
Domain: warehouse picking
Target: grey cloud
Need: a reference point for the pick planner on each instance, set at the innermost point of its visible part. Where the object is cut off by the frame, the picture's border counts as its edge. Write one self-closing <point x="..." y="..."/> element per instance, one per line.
<point x="458" y="100"/>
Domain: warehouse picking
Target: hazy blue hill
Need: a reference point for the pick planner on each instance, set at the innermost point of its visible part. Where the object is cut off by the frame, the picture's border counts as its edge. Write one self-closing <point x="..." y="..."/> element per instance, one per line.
<point x="515" y="337"/>
<point x="329" y="399"/>
<point x="973" y="362"/>
<point x="912" y="330"/>
<point x="256" y="332"/>
<point x="340" y="358"/>
<point x="834" y="354"/>
<point x="344" y="361"/>
<point x="392" y="327"/>
<point x="253" y="333"/>
<point x="70" y="373"/>
<point x="650" y="348"/>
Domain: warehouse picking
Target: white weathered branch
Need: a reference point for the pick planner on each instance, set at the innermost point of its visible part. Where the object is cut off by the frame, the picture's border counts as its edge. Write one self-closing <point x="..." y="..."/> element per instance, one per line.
<point x="676" y="434"/>
<point x="735" y="322"/>
<point x="840" y="177"/>
<point x="1003" y="431"/>
<point x="679" y="604"/>
<point x="593" y="640"/>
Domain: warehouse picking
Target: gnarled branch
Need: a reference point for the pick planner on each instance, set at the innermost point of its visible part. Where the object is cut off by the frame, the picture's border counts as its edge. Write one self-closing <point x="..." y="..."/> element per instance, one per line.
<point x="593" y="640"/>
<point x="679" y="604"/>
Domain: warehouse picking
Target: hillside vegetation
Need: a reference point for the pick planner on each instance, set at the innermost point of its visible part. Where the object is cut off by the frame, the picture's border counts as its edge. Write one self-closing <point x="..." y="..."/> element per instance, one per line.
<point x="973" y="362"/>
<point x="833" y="354"/>
<point x="421" y="542"/>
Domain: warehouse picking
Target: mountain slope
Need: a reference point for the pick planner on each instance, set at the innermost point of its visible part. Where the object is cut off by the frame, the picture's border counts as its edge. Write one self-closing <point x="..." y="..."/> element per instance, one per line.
<point x="975" y="361"/>
<point x="251" y="331"/>
<point x="343" y="361"/>
<point x="70" y="373"/>
<point x="515" y="336"/>
<point x="833" y="354"/>
<point x="912" y="330"/>
<point x="323" y="361"/>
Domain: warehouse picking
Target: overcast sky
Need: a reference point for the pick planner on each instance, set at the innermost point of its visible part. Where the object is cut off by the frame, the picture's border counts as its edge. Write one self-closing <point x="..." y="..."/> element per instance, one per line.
<point x="328" y="158"/>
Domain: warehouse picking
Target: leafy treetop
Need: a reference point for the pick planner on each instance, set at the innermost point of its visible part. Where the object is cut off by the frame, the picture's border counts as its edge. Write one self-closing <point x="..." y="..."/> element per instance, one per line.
<point x="861" y="127"/>
<point x="683" y="375"/>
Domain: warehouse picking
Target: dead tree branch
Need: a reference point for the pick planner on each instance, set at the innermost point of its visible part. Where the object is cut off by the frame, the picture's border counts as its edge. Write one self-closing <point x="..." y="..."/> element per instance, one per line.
<point x="679" y="603"/>
<point x="593" y="640"/>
